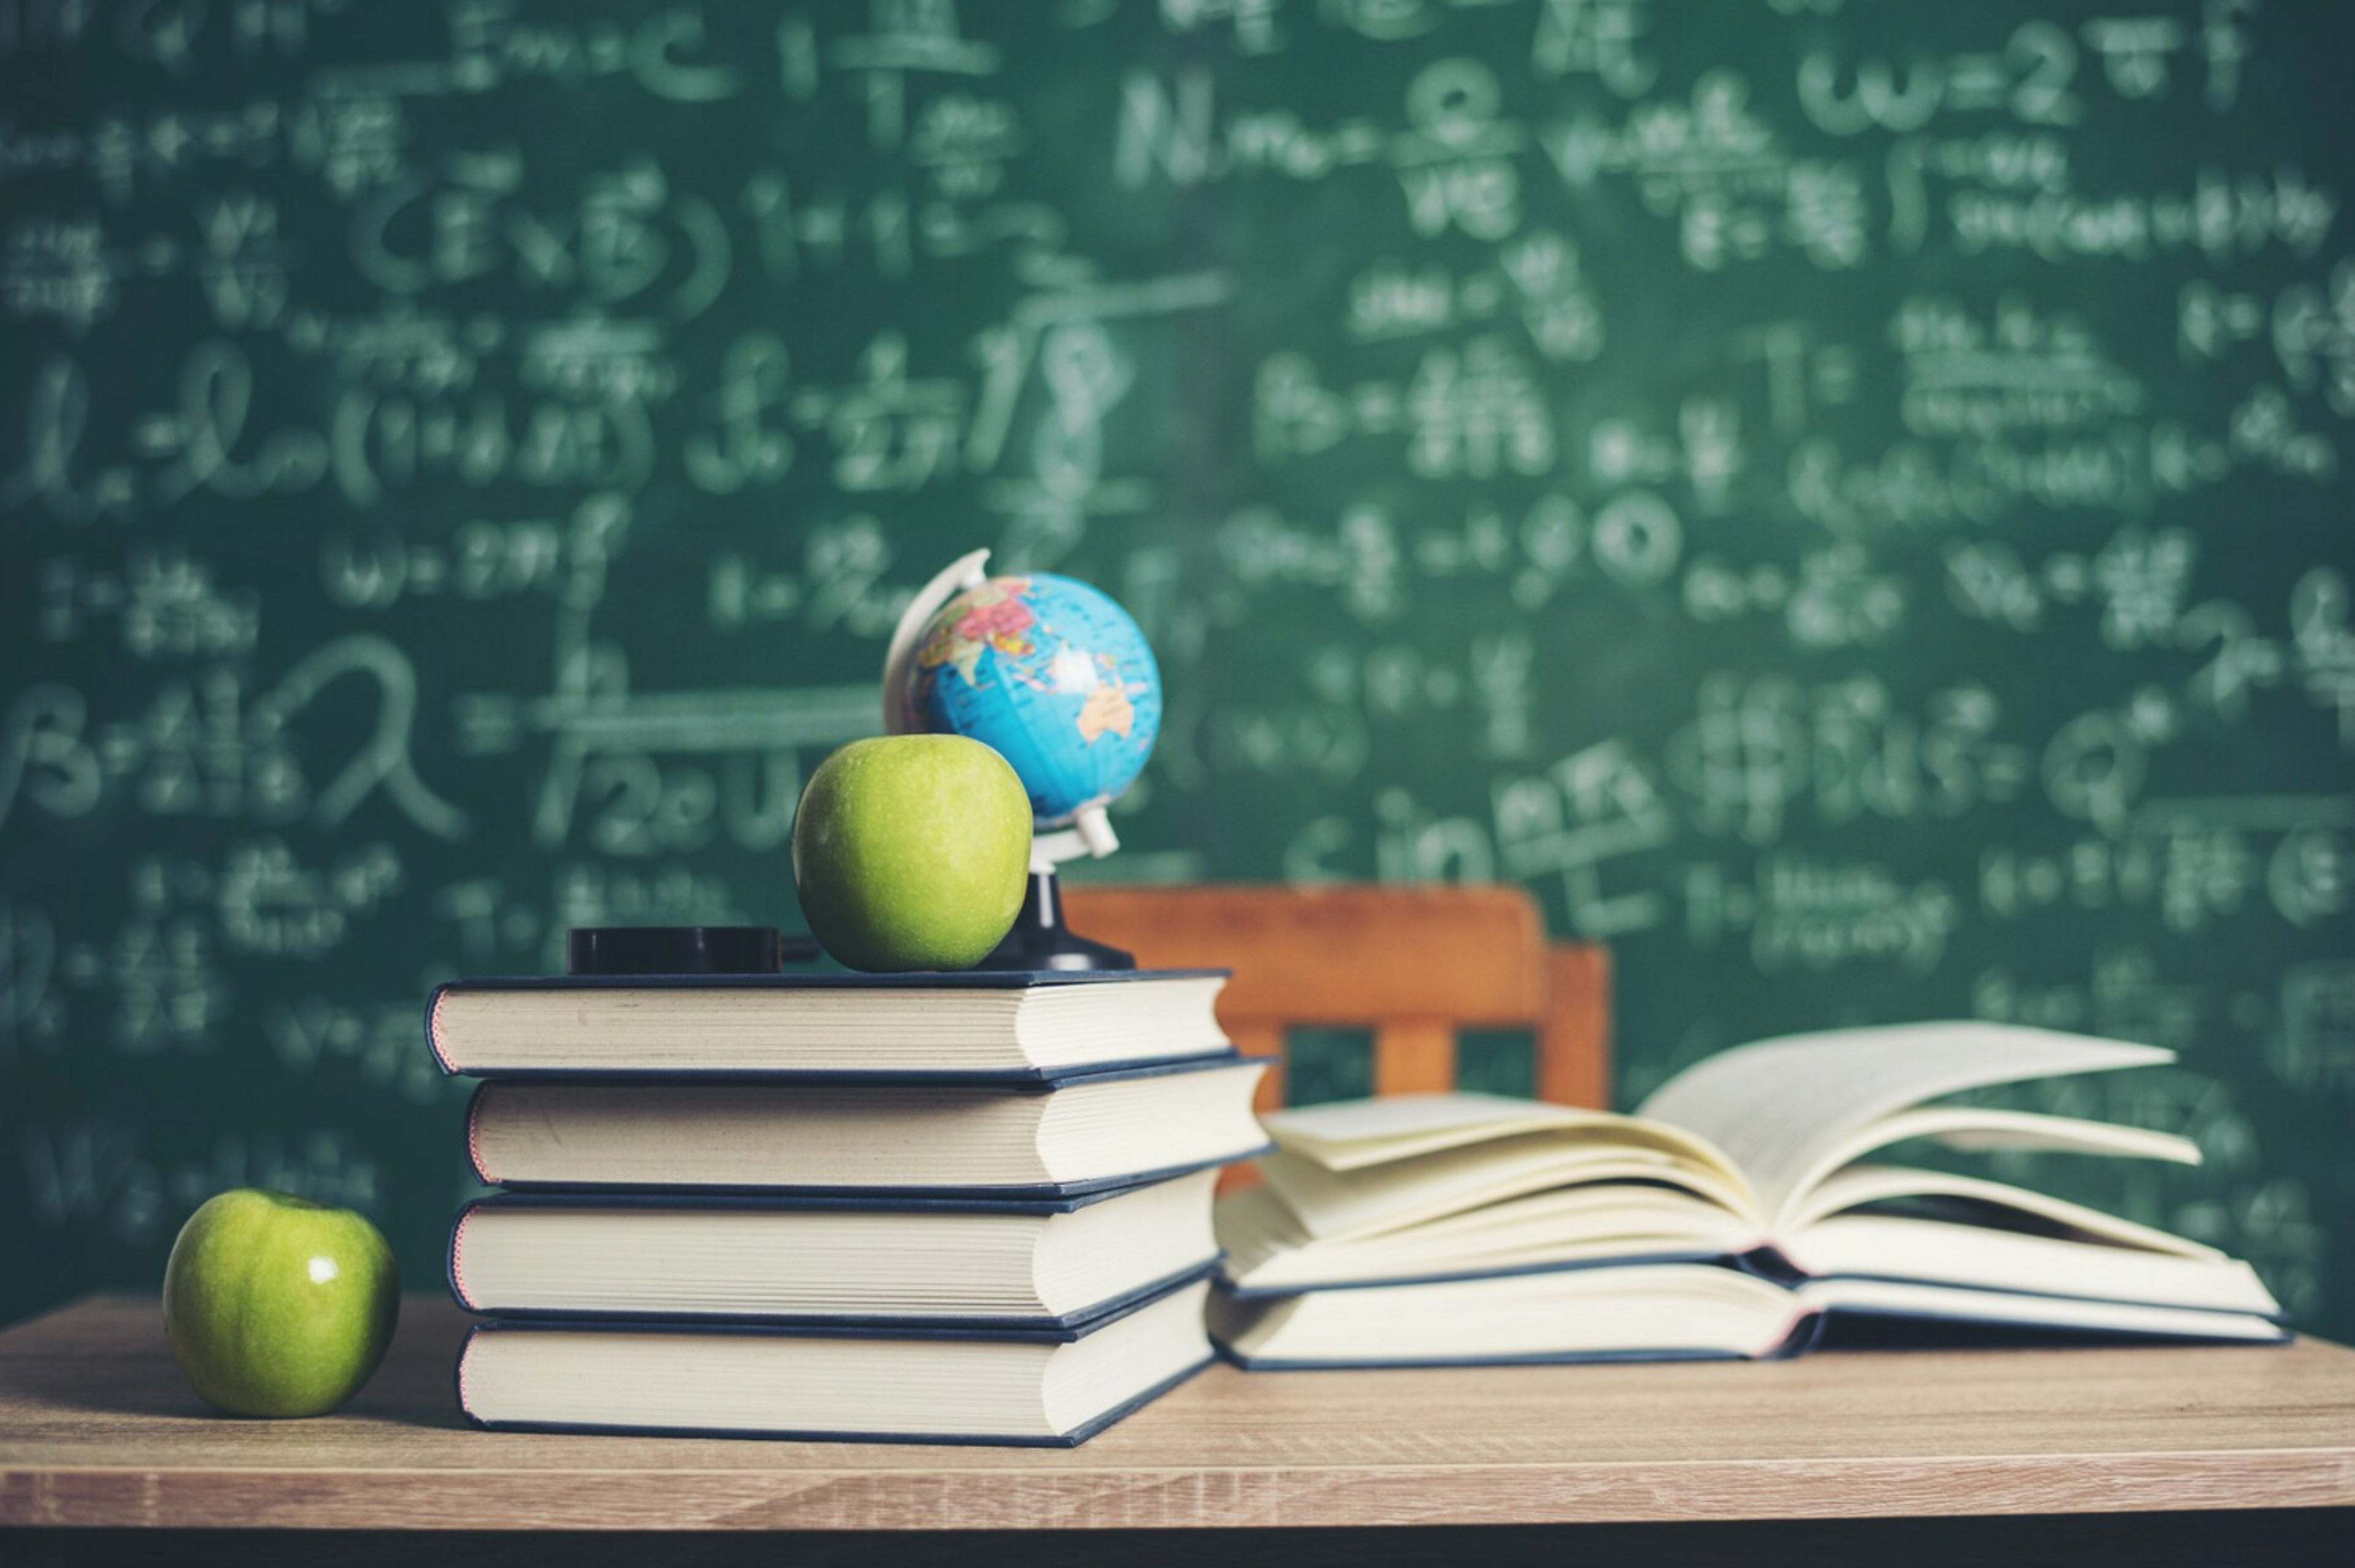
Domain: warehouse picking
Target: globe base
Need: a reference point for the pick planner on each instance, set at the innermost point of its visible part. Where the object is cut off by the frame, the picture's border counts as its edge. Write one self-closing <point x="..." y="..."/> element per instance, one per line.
<point x="1040" y="939"/>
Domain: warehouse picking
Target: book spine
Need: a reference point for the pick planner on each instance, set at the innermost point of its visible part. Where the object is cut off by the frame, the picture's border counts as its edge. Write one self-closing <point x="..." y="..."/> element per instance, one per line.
<point x="1769" y="1262"/>
<point x="1806" y="1333"/>
<point x="433" y="1031"/>
<point x="455" y="1268"/>
<point x="458" y="1377"/>
<point x="474" y="1137"/>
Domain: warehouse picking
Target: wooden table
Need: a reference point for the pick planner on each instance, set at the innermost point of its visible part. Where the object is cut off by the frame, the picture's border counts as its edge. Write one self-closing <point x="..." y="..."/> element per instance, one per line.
<point x="97" y="1432"/>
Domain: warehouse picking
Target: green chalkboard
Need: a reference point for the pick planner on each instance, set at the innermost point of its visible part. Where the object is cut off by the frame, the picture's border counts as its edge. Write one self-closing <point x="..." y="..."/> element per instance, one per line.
<point x="1844" y="501"/>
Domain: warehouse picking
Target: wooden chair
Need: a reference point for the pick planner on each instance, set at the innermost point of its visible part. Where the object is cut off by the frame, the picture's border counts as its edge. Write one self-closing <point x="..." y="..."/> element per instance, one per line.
<point x="1414" y="964"/>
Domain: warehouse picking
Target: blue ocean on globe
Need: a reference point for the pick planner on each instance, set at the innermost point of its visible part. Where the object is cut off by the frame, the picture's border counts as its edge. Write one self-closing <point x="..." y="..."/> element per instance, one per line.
<point x="1053" y="676"/>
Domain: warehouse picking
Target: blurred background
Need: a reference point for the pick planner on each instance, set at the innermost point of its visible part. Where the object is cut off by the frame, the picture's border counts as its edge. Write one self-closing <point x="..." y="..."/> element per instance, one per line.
<point x="1842" y="500"/>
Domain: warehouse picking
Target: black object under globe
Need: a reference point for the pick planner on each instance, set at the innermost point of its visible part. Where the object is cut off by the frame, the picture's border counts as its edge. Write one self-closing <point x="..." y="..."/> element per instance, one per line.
<point x="1040" y="939"/>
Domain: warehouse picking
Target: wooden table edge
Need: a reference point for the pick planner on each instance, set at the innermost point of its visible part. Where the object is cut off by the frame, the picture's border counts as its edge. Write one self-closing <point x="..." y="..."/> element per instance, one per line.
<point x="1177" y="1498"/>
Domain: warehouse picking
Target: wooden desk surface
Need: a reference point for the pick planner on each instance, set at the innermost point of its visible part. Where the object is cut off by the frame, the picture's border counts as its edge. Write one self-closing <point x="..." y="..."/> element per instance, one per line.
<point x="97" y="1428"/>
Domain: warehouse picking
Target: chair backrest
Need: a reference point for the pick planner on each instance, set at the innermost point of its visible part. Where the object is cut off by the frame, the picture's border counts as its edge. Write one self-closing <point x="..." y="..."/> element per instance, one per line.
<point x="1415" y="964"/>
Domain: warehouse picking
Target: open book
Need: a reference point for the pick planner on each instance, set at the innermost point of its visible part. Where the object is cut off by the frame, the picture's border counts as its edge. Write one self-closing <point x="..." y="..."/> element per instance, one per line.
<point x="1449" y="1227"/>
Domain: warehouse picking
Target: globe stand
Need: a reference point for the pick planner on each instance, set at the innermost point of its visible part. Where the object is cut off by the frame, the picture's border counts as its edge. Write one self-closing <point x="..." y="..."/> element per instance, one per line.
<point x="1041" y="940"/>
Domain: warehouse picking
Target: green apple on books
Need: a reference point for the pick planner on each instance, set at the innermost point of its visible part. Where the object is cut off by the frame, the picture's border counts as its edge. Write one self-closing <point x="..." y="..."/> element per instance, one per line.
<point x="911" y="852"/>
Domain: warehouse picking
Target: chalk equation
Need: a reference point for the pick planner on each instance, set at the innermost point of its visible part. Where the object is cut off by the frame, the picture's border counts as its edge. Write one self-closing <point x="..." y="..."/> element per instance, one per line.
<point x="1844" y="502"/>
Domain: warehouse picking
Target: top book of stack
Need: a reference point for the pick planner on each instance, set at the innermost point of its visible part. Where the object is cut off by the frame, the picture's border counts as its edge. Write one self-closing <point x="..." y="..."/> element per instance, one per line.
<point x="974" y="1027"/>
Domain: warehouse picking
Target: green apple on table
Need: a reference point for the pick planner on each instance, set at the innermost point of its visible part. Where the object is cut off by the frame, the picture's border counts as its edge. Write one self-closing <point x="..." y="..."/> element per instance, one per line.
<point x="277" y="1305"/>
<point x="911" y="852"/>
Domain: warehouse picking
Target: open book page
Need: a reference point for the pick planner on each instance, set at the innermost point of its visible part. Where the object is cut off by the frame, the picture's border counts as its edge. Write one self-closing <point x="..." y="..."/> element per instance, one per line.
<point x="1350" y="1134"/>
<point x="1266" y="1248"/>
<point x="1929" y="1252"/>
<point x="1859" y="1185"/>
<point x="1976" y="1128"/>
<point x="1779" y="1109"/>
<point x="1374" y="1199"/>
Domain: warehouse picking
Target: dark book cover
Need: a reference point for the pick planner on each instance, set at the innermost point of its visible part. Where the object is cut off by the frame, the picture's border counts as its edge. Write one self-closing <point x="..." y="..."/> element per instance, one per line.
<point x="1062" y="1335"/>
<point x="956" y="980"/>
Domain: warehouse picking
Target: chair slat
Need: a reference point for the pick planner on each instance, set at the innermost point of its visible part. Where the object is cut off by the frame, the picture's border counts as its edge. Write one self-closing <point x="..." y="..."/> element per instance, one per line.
<point x="1573" y="1044"/>
<point x="1414" y="1056"/>
<point x="1416" y="965"/>
<point x="1338" y="955"/>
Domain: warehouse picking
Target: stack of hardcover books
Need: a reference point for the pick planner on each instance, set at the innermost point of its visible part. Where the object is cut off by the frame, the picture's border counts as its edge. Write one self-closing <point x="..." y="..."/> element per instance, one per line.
<point x="969" y="1208"/>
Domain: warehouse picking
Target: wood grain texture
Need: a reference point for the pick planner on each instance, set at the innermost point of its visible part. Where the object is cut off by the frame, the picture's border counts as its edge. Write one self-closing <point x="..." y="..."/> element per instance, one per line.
<point x="98" y="1429"/>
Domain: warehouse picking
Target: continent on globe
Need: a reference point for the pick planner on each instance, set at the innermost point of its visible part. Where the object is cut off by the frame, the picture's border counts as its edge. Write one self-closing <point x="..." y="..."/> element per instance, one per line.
<point x="992" y="617"/>
<point x="1106" y="708"/>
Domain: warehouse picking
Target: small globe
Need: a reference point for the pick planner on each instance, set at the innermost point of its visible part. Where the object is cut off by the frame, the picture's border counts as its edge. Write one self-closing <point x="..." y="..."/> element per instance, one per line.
<point x="1050" y="673"/>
